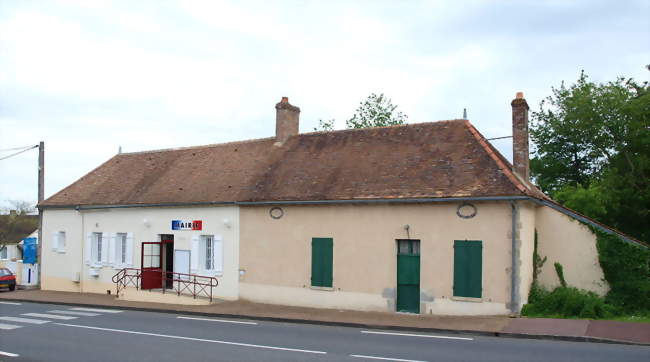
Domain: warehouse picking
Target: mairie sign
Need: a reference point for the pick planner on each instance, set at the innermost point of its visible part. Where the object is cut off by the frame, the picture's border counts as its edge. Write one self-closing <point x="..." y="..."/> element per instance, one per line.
<point x="187" y="225"/>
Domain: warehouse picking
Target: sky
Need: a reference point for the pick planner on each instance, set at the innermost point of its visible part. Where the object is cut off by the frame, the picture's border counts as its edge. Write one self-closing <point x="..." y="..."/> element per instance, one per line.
<point x="88" y="77"/>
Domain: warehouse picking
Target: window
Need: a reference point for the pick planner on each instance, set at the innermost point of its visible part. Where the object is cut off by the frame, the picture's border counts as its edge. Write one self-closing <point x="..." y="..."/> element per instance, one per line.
<point x="207" y="255"/>
<point x="58" y="241"/>
<point x="408" y="247"/>
<point x="96" y="248"/>
<point x="207" y="251"/>
<point x="3" y="252"/>
<point x="121" y="247"/>
<point x="468" y="268"/>
<point x="61" y="248"/>
<point x="321" y="262"/>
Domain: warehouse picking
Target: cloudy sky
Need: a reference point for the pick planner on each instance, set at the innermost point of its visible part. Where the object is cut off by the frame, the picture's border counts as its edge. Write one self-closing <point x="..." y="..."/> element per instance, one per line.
<point x="89" y="76"/>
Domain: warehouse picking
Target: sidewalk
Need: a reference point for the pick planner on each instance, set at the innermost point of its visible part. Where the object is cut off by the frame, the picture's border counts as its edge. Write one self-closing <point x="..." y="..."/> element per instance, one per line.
<point x="538" y="328"/>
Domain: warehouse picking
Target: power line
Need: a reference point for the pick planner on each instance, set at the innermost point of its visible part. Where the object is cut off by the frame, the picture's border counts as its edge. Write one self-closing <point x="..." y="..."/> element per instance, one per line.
<point x="16" y="148"/>
<point x="498" y="138"/>
<point x="17" y="153"/>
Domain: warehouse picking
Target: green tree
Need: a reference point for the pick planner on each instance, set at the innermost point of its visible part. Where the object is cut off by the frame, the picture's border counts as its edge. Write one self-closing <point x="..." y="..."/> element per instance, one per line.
<point x="325" y="125"/>
<point x="374" y="111"/>
<point x="592" y="151"/>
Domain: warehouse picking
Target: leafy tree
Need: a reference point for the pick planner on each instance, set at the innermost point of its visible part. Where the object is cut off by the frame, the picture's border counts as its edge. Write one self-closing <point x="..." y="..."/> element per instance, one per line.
<point x="17" y="224"/>
<point x="325" y="125"/>
<point x="593" y="151"/>
<point x="374" y="111"/>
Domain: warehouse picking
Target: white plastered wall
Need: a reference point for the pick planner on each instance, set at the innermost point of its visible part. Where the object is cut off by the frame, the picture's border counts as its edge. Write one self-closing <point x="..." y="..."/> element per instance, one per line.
<point x="563" y="239"/>
<point x="276" y="255"/>
<point x="59" y="269"/>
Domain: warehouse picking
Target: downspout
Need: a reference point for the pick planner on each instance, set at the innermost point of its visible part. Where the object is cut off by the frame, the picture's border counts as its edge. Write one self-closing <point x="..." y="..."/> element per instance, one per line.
<point x="83" y="252"/>
<point x="514" y="289"/>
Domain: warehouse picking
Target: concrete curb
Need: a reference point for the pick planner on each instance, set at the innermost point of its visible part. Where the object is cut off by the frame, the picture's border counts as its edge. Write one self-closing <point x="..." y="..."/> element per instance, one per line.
<point x="347" y="324"/>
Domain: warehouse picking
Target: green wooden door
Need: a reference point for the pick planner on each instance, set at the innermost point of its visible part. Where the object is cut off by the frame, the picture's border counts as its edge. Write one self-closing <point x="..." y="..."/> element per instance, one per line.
<point x="408" y="276"/>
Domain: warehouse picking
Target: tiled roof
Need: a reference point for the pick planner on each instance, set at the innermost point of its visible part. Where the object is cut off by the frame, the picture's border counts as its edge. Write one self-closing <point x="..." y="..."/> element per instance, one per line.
<point x="425" y="160"/>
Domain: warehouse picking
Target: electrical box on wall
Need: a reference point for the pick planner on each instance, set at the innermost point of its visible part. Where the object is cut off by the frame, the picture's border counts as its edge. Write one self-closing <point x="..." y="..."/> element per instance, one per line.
<point x="76" y="277"/>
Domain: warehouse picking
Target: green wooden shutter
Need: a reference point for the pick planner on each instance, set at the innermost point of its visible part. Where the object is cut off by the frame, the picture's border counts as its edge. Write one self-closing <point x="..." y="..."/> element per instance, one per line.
<point x="321" y="262"/>
<point x="468" y="268"/>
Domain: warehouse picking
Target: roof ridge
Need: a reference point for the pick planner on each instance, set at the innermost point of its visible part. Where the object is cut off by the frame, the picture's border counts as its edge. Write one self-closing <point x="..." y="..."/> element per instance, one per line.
<point x="198" y="147"/>
<point x="378" y="127"/>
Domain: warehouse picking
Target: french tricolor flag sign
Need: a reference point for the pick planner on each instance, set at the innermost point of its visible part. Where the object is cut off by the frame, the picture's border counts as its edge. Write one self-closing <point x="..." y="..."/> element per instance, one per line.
<point x="187" y="225"/>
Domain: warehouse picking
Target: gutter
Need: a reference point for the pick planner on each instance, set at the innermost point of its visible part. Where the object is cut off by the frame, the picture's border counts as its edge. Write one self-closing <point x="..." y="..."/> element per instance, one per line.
<point x="552" y="205"/>
<point x="589" y="221"/>
<point x="514" y="271"/>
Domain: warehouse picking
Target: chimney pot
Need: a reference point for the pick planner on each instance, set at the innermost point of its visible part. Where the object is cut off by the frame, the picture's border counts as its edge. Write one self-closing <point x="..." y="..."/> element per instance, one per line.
<point x="520" y="156"/>
<point x="287" y="120"/>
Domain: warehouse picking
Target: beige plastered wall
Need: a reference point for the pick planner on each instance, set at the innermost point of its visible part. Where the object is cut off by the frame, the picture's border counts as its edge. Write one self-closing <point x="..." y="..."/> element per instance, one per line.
<point x="146" y="224"/>
<point x="567" y="241"/>
<point x="275" y="255"/>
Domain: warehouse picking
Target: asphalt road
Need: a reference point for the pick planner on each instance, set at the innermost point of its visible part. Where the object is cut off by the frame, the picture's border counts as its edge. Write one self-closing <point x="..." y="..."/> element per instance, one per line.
<point x="42" y="332"/>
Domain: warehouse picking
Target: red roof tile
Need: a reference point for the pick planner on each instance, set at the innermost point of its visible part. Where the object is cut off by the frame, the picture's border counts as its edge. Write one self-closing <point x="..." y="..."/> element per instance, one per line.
<point x="425" y="160"/>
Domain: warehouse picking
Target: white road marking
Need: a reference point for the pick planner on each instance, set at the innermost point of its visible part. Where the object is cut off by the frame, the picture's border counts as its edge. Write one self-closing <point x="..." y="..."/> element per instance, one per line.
<point x="50" y="316"/>
<point x="385" y="358"/>
<point x="97" y="310"/>
<point x="83" y="314"/>
<point x="193" y="339"/>
<point x="8" y="354"/>
<point x="418" y="335"/>
<point x="24" y="320"/>
<point x="216" y="320"/>
<point x="11" y="303"/>
<point x="8" y="326"/>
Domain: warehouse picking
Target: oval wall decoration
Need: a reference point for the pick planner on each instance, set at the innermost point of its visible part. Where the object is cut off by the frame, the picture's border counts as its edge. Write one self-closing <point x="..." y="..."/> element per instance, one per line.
<point x="276" y="212"/>
<point x="466" y="210"/>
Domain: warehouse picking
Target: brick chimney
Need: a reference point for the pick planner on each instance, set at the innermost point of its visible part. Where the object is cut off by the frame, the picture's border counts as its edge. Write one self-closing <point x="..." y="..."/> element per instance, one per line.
<point x="286" y="120"/>
<point x="520" y="163"/>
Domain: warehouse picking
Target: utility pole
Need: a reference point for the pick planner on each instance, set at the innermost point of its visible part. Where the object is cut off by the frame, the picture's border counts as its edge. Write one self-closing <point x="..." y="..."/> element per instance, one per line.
<point x="41" y="197"/>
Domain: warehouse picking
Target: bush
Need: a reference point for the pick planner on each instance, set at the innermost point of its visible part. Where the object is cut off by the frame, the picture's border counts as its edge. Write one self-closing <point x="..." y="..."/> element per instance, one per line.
<point x="567" y="302"/>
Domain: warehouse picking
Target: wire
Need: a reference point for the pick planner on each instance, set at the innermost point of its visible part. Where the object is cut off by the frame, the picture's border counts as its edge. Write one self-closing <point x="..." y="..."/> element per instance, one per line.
<point x="15" y="148"/>
<point x="498" y="138"/>
<point x="17" y="153"/>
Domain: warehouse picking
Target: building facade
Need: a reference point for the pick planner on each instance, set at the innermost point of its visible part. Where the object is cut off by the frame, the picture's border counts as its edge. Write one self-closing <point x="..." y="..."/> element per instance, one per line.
<point x="422" y="218"/>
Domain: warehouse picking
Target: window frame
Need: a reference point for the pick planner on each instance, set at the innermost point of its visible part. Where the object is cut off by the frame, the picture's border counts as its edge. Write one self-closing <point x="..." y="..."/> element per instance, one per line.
<point x="96" y="248"/>
<point x="61" y="242"/>
<point x="206" y="246"/>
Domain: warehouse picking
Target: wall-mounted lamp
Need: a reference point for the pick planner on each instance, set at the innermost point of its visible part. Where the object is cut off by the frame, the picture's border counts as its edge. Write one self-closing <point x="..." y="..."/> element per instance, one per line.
<point x="407" y="227"/>
<point x="146" y="223"/>
<point x="227" y="223"/>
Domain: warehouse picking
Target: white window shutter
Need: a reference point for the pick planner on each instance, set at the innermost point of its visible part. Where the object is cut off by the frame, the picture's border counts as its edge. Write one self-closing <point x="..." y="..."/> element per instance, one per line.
<point x="129" y="249"/>
<point x="111" y="248"/>
<point x="89" y="247"/>
<point x="55" y="241"/>
<point x="194" y="255"/>
<point x="105" y="242"/>
<point x="62" y="241"/>
<point x="217" y="256"/>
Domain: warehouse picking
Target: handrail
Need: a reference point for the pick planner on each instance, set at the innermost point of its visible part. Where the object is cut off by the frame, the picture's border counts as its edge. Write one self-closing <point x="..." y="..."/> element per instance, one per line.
<point x="182" y="283"/>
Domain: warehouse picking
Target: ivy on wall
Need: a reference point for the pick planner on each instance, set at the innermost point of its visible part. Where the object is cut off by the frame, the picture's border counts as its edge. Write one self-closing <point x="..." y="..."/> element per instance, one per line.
<point x="627" y="270"/>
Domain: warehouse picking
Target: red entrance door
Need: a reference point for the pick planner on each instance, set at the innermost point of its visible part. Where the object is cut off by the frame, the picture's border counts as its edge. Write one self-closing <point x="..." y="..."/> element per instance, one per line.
<point x="150" y="262"/>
